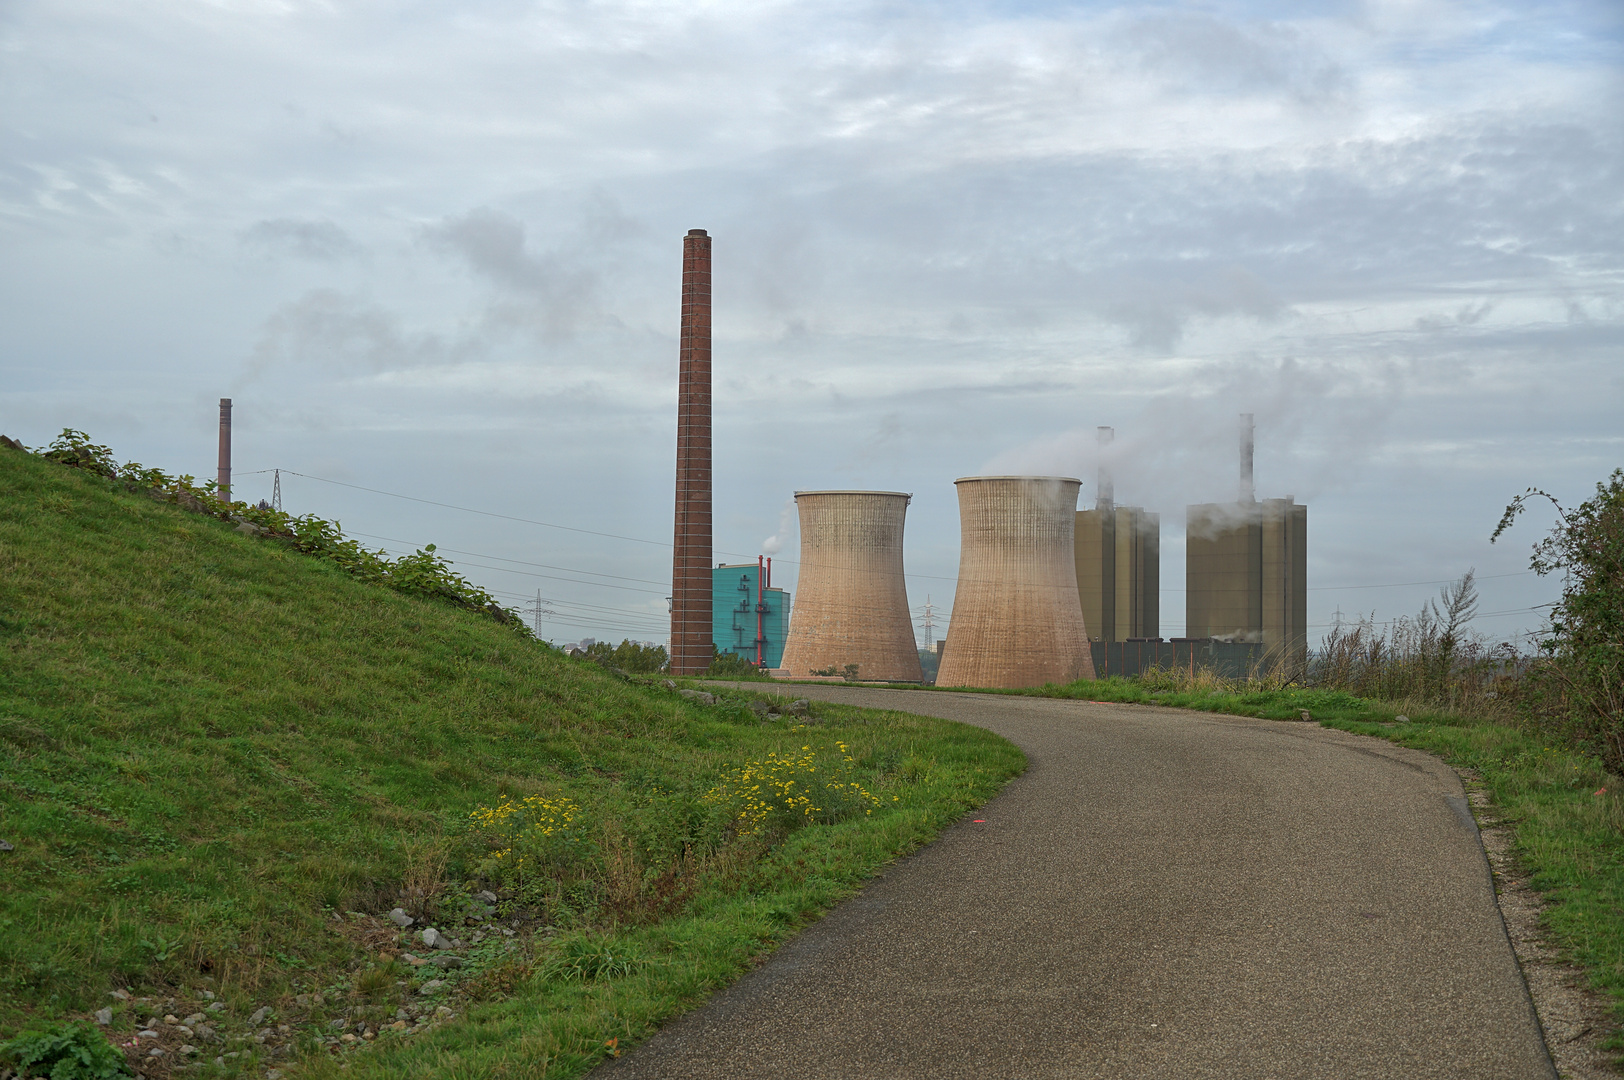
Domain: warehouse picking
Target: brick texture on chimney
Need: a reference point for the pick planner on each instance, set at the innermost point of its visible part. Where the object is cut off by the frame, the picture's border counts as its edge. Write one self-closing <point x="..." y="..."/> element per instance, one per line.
<point x="690" y="566"/>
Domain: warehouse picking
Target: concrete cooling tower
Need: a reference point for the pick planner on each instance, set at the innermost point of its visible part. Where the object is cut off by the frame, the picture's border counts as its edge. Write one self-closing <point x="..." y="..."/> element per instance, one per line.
<point x="851" y="605"/>
<point x="1016" y="617"/>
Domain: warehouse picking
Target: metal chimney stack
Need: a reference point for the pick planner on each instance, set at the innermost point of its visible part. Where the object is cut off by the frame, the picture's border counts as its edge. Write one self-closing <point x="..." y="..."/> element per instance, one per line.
<point x="1248" y="492"/>
<point x="222" y="475"/>
<point x="1104" y="491"/>
<point x="691" y="558"/>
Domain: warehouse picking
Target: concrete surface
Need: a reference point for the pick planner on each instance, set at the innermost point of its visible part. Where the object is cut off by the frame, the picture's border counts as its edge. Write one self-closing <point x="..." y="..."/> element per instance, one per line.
<point x="1162" y="894"/>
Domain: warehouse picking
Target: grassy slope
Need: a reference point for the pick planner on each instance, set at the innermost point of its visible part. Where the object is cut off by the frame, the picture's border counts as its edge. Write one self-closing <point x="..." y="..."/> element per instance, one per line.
<point x="208" y="745"/>
<point x="1566" y="812"/>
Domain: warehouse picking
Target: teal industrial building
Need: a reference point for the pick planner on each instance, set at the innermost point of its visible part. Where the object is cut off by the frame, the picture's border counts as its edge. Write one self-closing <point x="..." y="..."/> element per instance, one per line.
<point x="749" y="618"/>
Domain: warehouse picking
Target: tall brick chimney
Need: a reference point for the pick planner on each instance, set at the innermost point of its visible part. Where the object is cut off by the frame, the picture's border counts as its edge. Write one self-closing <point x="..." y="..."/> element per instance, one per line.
<point x="691" y="560"/>
<point x="222" y="475"/>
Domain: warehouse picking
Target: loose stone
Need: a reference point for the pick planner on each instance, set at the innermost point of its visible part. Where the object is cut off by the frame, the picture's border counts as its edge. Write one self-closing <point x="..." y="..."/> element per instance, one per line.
<point x="104" y="1016"/>
<point x="400" y="918"/>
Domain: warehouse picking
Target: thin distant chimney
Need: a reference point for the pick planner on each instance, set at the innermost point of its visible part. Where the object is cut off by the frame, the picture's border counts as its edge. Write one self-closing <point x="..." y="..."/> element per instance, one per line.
<point x="222" y="476"/>
<point x="1248" y="491"/>
<point x="691" y="557"/>
<point x="1104" y="492"/>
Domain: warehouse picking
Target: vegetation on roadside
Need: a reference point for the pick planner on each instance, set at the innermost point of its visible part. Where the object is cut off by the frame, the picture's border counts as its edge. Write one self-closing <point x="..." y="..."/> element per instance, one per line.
<point x="629" y="657"/>
<point x="1574" y="691"/>
<point x="241" y="786"/>
<point x="726" y="665"/>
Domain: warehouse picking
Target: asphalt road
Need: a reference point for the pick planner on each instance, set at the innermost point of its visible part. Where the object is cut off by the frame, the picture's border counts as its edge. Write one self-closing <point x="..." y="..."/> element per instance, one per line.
<point x="1162" y="894"/>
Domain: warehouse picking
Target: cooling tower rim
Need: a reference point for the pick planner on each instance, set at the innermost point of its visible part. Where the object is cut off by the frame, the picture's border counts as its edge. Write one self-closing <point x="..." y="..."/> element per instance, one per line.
<point x="1061" y="479"/>
<point x="845" y="491"/>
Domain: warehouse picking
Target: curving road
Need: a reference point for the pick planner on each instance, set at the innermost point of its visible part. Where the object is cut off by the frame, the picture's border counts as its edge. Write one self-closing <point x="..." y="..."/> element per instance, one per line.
<point x="1162" y="894"/>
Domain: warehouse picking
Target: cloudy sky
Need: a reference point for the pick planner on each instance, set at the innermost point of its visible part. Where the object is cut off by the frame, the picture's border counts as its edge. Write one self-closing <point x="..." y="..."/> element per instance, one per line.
<point x="433" y="250"/>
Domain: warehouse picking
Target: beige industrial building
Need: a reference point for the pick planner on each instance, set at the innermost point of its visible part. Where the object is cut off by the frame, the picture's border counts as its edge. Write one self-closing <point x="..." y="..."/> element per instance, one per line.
<point x="1246" y="568"/>
<point x="1119" y="553"/>
<point x="851" y="603"/>
<point x="1119" y="560"/>
<point x="1017" y="620"/>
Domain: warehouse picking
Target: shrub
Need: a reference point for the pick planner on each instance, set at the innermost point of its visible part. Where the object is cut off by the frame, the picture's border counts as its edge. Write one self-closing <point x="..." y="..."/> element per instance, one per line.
<point x="732" y="666"/>
<point x="1576" y="687"/>
<point x="65" y="1052"/>
<point x="629" y="657"/>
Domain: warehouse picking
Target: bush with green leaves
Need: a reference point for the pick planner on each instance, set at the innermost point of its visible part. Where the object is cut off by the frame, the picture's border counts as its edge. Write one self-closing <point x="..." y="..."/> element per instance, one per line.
<point x="727" y="665"/>
<point x="1577" y="686"/>
<point x="629" y="656"/>
<point x="65" y="1051"/>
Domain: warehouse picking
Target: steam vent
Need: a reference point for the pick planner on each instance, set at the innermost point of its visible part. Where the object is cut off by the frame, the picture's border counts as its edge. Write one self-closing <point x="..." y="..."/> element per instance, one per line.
<point x="1016" y="620"/>
<point x="851" y="604"/>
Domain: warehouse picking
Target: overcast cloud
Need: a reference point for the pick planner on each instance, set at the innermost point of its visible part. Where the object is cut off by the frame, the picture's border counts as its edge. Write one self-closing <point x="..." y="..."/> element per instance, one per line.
<point x="434" y="249"/>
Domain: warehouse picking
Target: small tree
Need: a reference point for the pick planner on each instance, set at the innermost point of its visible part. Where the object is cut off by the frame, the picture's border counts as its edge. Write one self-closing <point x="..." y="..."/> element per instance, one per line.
<point x="1578" y="685"/>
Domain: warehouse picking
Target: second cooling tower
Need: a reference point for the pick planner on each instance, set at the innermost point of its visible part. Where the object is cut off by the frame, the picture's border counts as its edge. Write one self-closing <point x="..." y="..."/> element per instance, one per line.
<point x="1016" y="617"/>
<point x="851" y="603"/>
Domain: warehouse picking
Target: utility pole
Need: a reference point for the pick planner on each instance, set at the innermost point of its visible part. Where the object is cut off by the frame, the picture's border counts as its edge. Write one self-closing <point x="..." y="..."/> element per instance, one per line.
<point x="537" y="608"/>
<point x="276" y="489"/>
<point x="928" y="622"/>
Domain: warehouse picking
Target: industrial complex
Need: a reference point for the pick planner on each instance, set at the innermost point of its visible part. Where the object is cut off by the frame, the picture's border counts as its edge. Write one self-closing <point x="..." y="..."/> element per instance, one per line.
<point x="1246" y="568"/>
<point x="1043" y="588"/>
<point x="1119" y="559"/>
<point x="750" y="618"/>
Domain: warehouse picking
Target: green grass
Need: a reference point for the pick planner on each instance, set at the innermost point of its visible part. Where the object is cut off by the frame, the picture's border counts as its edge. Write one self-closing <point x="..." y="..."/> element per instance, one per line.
<point x="220" y="760"/>
<point x="1565" y="811"/>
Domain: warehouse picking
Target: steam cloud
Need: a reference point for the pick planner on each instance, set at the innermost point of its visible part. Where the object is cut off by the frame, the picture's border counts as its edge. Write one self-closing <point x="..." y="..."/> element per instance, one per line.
<point x="786" y="522"/>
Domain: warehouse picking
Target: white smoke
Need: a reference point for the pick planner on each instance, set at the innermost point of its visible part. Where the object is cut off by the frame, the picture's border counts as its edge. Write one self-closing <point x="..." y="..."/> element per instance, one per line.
<point x="1318" y="426"/>
<point x="786" y="521"/>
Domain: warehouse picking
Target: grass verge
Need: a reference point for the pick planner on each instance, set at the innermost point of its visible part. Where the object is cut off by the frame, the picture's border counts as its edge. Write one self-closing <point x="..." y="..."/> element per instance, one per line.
<point x="223" y="764"/>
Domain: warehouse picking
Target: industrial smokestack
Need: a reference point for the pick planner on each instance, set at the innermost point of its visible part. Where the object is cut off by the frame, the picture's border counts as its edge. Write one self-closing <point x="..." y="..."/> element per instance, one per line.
<point x="852" y="601"/>
<point x="1104" y="492"/>
<point x="1017" y="620"/>
<point x="1248" y="492"/>
<point x="222" y="474"/>
<point x="691" y="557"/>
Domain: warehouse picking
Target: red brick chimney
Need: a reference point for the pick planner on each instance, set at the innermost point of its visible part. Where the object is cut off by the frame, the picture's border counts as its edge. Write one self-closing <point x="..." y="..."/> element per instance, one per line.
<point x="691" y="561"/>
